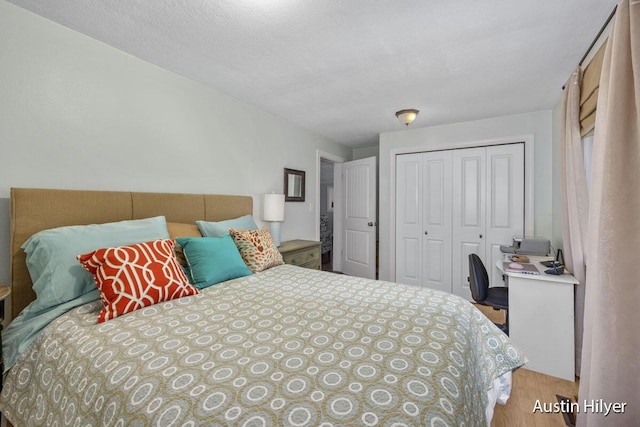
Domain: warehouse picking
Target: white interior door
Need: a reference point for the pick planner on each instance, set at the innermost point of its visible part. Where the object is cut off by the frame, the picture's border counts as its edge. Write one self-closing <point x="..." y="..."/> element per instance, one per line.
<point x="453" y="203"/>
<point x="505" y="203"/>
<point x="423" y="219"/>
<point x="488" y="208"/>
<point x="409" y="219"/>
<point x="359" y="218"/>
<point x="437" y="201"/>
<point x="468" y="231"/>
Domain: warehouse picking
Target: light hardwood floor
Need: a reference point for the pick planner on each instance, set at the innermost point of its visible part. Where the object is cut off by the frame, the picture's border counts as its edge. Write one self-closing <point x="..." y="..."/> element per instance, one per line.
<point x="529" y="386"/>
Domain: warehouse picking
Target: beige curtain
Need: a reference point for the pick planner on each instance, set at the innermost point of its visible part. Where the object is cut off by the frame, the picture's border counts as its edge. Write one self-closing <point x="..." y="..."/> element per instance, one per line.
<point x="575" y="201"/>
<point x="611" y="352"/>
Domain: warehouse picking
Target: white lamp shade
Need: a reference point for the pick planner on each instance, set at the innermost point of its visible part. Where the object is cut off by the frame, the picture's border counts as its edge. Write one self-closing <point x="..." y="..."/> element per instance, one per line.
<point x="273" y="207"/>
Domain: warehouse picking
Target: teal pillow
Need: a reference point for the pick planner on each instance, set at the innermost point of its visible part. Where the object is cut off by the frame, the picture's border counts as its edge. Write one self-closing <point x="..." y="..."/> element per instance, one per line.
<point x="51" y="255"/>
<point x="212" y="260"/>
<point x="59" y="281"/>
<point x="221" y="228"/>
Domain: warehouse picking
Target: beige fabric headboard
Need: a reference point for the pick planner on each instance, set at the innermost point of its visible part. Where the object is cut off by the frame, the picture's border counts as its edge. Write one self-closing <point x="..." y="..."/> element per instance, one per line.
<point x="34" y="210"/>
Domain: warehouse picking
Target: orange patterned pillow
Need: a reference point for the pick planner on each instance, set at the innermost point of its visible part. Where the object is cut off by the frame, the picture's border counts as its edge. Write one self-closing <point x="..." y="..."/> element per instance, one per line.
<point x="135" y="276"/>
<point x="257" y="248"/>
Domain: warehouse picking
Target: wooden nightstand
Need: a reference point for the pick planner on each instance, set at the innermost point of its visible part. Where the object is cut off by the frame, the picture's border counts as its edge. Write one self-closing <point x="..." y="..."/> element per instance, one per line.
<point x="4" y="293"/>
<point x="303" y="253"/>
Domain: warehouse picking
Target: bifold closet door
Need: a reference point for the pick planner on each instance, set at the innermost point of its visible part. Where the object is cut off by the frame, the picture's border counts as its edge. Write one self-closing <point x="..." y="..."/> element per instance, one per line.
<point x="505" y="203"/>
<point x="469" y="206"/>
<point x="436" y="220"/>
<point x="488" y="208"/>
<point x="423" y="219"/>
<point x="409" y="219"/>
<point x="452" y="203"/>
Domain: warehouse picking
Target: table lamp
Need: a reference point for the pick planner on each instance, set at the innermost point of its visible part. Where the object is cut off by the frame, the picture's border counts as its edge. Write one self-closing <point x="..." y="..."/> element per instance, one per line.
<point x="273" y="212"/>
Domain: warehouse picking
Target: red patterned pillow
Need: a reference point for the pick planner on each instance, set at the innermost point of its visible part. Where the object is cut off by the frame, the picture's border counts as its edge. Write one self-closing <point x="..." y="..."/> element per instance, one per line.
<point x="257" y="248"/>
<point x="135" y="276"/>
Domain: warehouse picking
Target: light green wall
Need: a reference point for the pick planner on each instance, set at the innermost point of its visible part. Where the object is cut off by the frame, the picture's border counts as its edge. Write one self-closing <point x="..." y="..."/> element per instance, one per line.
<point x="556" y="231"/>
<point x="76" y="113"/>
<point x="538" y="124"/>
<point x="365" y="151"/>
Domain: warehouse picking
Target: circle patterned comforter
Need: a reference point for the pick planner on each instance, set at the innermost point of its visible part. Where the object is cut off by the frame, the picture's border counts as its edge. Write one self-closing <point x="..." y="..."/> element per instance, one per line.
<point x="286" y="347"/>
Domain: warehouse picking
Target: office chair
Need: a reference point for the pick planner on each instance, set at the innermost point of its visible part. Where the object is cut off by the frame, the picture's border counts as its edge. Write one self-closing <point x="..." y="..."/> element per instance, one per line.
<point x="496" y="297"/>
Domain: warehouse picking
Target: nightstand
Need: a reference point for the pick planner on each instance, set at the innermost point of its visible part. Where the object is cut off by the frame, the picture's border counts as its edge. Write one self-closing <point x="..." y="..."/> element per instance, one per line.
<point x="4" y="293"/>
<point x="303" y="253"/>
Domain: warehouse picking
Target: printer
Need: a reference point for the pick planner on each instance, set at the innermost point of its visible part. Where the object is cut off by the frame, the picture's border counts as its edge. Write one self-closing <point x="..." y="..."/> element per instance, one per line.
<point x="527" y="246"/>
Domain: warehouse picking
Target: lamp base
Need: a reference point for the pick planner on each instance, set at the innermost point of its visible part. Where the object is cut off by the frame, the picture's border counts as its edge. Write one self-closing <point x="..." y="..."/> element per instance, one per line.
<point x="274" y="229"/>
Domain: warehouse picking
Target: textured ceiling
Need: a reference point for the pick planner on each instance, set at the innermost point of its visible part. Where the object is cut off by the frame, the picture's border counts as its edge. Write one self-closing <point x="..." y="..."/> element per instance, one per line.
<point x="342" y="68"/>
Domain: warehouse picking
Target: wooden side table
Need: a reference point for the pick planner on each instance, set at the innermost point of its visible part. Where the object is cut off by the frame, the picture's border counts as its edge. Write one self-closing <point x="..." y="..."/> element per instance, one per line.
<point x="303" y="253"/>
<point x="5" y="291"/>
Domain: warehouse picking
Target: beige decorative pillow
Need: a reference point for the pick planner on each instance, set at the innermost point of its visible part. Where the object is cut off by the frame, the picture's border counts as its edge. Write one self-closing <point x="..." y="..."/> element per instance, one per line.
<point x="257" y="248"/>
<point x="179" y="229"/>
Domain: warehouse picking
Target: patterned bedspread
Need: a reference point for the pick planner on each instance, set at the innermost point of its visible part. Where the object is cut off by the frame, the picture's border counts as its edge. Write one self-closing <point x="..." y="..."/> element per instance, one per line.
<point x="286" y="347"/>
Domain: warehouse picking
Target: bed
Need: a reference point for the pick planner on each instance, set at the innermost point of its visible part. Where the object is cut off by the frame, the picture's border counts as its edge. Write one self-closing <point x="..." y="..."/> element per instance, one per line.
<point x="284" y="346"/>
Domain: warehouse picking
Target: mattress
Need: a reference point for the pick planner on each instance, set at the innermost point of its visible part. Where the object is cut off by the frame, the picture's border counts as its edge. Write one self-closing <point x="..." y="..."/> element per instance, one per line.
<point x="288" y="347"/>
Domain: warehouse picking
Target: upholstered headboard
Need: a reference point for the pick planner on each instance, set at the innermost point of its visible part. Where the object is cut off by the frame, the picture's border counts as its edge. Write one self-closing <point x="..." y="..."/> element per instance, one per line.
<point x="34" y="210"/>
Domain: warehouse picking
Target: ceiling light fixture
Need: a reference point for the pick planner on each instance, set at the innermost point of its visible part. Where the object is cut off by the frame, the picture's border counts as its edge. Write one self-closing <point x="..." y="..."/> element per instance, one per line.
<point x="407" y="117"/>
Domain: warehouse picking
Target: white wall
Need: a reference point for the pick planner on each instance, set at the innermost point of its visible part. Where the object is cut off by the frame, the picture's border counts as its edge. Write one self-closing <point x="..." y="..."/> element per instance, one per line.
<point x="76" y="113"/>
<point x="539" y="124"/>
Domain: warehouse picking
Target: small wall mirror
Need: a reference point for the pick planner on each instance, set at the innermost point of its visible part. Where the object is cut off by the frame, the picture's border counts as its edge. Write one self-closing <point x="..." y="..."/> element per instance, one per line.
<point x="293" y="185"/>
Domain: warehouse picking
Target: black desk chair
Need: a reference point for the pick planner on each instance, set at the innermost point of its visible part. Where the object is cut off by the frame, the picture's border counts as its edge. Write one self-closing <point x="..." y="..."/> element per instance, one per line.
<point x="496" y="297"/>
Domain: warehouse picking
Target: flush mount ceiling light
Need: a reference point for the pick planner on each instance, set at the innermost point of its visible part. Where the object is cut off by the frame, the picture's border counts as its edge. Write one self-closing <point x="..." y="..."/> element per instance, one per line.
<point x="407" y="117"/>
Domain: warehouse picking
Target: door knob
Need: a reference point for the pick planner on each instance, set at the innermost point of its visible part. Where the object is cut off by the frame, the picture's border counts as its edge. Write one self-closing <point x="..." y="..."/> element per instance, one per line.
<point x="371" y="224"/>
<point x="426" y="232"/>
<point x="481" y="236"/>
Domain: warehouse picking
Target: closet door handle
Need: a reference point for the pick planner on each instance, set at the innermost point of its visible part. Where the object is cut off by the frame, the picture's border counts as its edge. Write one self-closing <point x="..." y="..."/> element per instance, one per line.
<point x="481" y="236"/>
<point x="426" y="232"/>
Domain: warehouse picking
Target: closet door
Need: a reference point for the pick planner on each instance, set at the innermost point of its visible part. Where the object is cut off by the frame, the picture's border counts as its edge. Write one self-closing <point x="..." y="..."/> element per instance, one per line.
<point x="409" y="207"/>
<point x="437" y="199"/>
<point x="453" y="203"/>
<point x="469" y="206"/>
<point x="505" y="203"/>
<point x="488" y="208"/>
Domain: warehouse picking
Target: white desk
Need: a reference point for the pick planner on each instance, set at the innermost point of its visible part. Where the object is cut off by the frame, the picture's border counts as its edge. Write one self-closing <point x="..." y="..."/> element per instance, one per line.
<point x="541" y="319"/>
